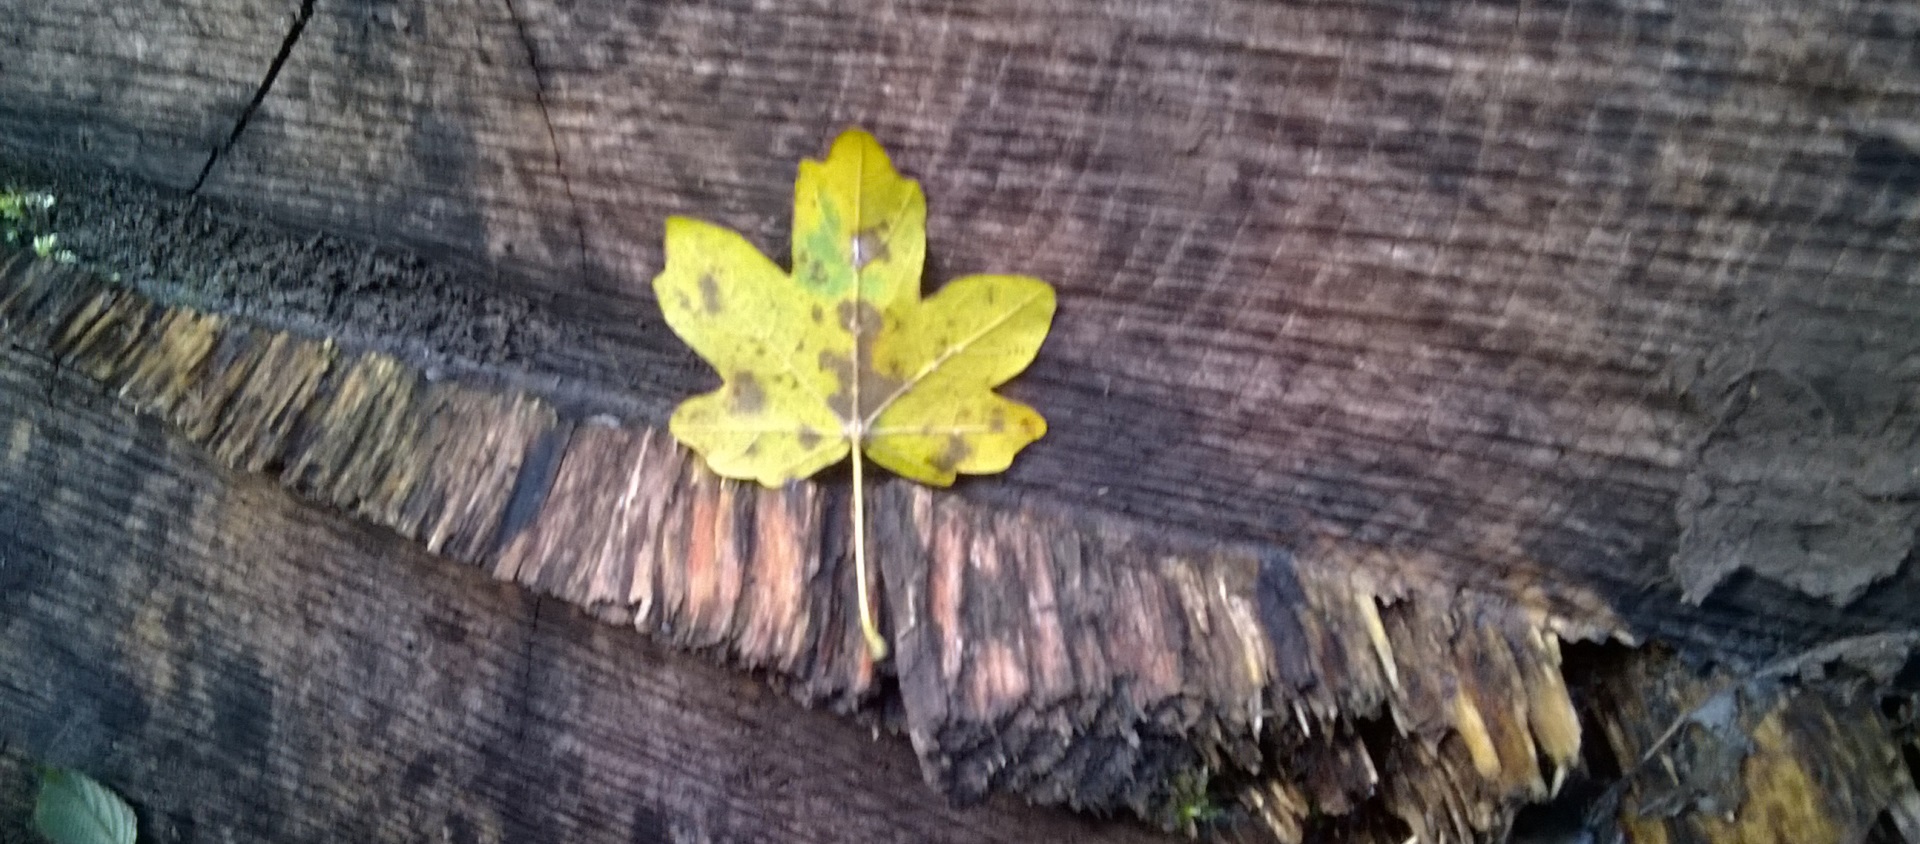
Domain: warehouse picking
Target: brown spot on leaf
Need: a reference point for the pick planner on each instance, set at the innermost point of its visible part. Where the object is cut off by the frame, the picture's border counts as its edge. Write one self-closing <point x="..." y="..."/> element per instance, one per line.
<point x="997" y="421"/>
<point x="709" y="295"/>
<point x="747" y="395"/>
<point x="865" y="322"/>
<point x="863" y="319"/>
<point x="956" y="451"/>
<point x="819" y="314"/>
<point x="875" y="387"/>
<point x="808" y="437"/>
<point x="842" y="370"/>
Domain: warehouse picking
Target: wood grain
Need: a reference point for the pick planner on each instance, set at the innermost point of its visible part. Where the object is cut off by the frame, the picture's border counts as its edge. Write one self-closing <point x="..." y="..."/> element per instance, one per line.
<point x="1562" y="291"/>
<point x="1065" y="659"/>
<point x="170" y="103"/>
<point x="245" y="666"/>
<point x="1395" y="323"/>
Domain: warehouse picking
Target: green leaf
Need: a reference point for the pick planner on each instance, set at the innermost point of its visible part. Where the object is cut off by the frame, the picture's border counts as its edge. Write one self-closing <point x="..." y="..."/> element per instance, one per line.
<point x="73" y="809"/>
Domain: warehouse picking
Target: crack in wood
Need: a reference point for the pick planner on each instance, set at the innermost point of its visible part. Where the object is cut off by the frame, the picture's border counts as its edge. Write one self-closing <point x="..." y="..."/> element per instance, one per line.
<point x="553" y="138"/>
<point x="259" y="95"/>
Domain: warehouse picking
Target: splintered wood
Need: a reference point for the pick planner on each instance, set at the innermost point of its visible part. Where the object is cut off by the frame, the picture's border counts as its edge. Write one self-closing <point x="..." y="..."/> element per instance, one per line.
<point x="618" y="521"/>
<point x="633" y="529"/>
<point x="1027" y="647"/>
<point x="1745" y="760"/>
<point x="1069" y="658"/>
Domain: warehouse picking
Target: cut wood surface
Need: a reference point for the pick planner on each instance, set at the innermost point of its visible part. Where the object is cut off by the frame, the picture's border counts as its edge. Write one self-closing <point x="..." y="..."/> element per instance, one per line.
<point x="1396" y="342"/>
<point x="244" y="666"/>
<point x="1593" y="294"/>
<point x="1063" y="658"/>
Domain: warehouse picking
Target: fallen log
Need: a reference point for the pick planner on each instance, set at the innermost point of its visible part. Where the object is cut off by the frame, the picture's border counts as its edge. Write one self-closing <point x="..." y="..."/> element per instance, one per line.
<point x="1420" y="336"/>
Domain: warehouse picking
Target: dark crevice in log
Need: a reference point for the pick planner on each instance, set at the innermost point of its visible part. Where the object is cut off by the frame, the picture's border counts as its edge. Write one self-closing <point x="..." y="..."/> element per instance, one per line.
<point x="298" y="26"/>
<point x="1583" y="804"/>
<point x="553" y="138"/>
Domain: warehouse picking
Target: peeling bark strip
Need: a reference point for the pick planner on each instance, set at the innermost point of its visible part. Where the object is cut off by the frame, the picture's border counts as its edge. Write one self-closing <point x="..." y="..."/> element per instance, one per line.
<point x="636" y="532"/>
<point x="1070" y="659"/>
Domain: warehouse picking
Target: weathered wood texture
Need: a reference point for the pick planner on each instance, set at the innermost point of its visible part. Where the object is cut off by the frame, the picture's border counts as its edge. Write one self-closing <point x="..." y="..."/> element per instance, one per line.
<point x="1443" y="312"/>
<point x="1065" y="658"/>
<point x="1600" y="293"/>
<point x="1753" y="759"/>
<point x="1062" y="658"/>
<point x="246" y="667"/>
<point x="170" y="102"/>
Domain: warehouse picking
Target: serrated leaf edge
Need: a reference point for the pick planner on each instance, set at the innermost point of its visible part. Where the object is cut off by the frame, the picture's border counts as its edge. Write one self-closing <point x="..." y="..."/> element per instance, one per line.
<point x="100" y="815"/>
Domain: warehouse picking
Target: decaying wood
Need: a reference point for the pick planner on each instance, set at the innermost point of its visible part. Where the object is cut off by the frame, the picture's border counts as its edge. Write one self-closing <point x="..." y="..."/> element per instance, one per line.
<point x="244" y="666"/>
<point x="1588" y="293"/>
<point x="1748" y="759"/>
<point x="1067" y="658"/>
<point x="1419" y="334"/>
<point x="1061" y="660"/>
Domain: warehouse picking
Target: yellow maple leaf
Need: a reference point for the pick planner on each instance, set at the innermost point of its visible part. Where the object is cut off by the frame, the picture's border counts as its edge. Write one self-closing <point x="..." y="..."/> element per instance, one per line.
<point x="843" y="356"/>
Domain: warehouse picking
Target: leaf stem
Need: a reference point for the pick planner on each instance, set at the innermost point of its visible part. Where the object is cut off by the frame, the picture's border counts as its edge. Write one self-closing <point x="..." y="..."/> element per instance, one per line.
<point x="876" y="644"/>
